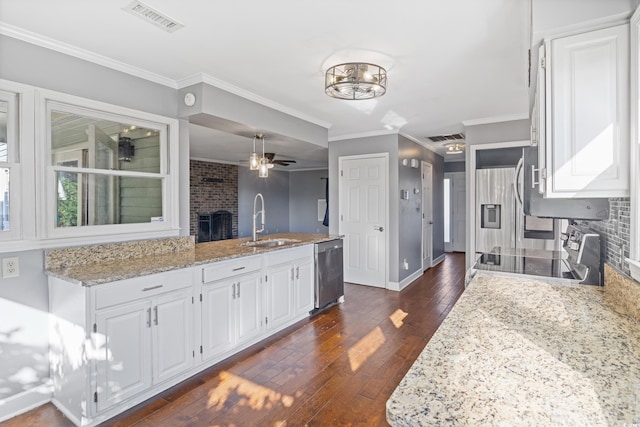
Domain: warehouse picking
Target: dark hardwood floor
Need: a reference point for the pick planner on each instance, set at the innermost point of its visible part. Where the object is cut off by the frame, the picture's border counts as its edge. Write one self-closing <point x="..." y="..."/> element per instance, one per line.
<point x="336" y="368"/>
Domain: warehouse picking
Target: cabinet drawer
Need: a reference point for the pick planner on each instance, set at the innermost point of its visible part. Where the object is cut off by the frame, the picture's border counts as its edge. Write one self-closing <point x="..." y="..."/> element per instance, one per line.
<point x="142" y="287"/>
<point x="224" y="269"/>
<point x="287" y="256"/>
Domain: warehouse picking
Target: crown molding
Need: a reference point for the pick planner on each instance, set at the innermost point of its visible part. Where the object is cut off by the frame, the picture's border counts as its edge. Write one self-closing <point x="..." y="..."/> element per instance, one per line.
<point x="364" y="134"/>
<point x="495" y="119"/>
<point x="228" y="87"/>
<point x="67" y="49"/>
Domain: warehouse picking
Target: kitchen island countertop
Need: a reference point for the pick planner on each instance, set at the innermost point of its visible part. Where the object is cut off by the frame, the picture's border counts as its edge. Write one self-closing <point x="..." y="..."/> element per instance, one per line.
<point x="521" y="351"/>
<point x="202" y="253"/>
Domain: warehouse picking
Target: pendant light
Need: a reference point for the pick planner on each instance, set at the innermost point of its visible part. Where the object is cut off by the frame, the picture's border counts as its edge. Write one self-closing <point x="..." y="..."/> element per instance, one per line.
<point x="254" y="160"/>
<point x="263" y="169"/>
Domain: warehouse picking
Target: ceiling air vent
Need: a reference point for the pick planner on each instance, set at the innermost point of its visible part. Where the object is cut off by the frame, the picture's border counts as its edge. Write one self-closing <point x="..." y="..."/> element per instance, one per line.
<point x="451" y="137"/>
<point x="153" y="16"/>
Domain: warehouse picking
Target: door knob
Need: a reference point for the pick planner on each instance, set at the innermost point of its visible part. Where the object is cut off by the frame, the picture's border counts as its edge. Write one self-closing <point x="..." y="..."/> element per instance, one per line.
<point x="381" y="229"/>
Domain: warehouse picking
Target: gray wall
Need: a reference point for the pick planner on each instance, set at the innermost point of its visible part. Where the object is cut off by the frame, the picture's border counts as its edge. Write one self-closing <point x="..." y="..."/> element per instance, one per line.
<point x="26" y="297"/>
<point x="368" y="145"/>
<point x="454" y="166"/>
<point x="274" y="189"/>
<point x="405" y="236"/>
<point x="305" y="188"/>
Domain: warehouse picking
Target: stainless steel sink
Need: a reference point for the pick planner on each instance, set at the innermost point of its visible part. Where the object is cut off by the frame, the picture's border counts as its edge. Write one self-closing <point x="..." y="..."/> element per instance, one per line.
<point x="269" y="243"/>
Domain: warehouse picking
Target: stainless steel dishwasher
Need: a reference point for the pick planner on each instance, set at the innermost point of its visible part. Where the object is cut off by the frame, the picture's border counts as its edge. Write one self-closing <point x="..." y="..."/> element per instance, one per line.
<point x="329" y="286"/>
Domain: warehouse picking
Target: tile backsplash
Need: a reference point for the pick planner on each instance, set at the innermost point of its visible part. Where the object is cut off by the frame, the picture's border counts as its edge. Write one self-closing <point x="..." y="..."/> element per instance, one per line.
<point x="615" y="233"/>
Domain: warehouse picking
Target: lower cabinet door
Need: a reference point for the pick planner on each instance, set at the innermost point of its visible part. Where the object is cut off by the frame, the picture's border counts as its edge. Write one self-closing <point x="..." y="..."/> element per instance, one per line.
<point x="280" y="289"/>
<point x="304" y="286"/>
<point x="249" y="306"/>
<point x="218" y="318"/>
<point x="123" y="352"/>
<point x="172" y="337"/>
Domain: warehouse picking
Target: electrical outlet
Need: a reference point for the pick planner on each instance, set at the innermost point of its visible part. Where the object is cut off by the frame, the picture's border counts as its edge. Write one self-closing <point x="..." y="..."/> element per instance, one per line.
<point x="10" y="267"/>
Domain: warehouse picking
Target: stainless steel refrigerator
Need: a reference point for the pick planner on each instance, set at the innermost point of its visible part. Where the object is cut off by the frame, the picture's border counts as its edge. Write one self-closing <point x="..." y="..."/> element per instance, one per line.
<point x="500" y="220"/>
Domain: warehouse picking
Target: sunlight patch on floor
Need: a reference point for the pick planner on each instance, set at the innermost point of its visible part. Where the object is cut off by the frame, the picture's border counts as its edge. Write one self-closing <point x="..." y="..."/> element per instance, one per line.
<point x="247" y="393"/>
<point x="363" y="349"/>
<point x="397" y="317"/>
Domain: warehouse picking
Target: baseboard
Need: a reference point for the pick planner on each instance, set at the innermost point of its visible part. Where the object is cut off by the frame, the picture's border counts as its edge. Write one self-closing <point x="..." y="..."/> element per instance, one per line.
<point x="437" y="260"/>
<point x="398" y="286"/>
<point x="25" y="401"/>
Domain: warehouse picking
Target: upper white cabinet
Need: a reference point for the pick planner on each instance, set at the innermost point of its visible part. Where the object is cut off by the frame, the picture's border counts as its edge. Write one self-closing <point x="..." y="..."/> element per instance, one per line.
<point x="583" y="117"/>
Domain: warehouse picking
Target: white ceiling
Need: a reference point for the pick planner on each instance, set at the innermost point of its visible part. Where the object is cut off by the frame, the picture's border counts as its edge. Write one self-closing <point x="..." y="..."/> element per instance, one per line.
<point x="447" y="61"/>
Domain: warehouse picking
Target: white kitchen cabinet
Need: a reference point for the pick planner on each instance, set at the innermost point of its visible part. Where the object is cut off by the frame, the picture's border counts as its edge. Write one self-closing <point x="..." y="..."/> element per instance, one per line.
<point x="140" y="344"/>
<point x="123" y="350"/>
<point x="289" y="286"/>
<point x="584" y="114"/>
<point x="116" y="344"/>
<point x="304" y="285"/>
<point x="231" y="305"/>
<point x="280" y="294"/>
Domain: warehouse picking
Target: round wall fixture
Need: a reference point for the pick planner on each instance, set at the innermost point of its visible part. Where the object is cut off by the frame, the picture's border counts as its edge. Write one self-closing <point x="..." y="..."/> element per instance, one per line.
<point x="189" y="99"/>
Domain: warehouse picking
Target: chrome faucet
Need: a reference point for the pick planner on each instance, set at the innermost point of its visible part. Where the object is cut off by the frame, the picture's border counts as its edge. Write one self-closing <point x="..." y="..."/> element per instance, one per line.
<point x="255" y="216"/>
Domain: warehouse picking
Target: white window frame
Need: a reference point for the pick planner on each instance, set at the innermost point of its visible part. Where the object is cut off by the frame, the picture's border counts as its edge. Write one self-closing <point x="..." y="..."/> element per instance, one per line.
<point x="49" y="234"/>
<point x="11" y="97"/>
<point x="634" y="250"/>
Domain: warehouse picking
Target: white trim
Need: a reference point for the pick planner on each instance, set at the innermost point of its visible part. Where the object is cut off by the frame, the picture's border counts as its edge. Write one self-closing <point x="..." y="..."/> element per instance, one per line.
<point x="471" y="192"/>
<point x="25" y="401"/>
<point x="438" y="260"/>
<point x="364" y="135"/>
<point x="495" y="119"/>
<point x="634" y="155"/>
<point x="67" y="49"/>
<point x="423" y="166"/>
<point x="307" y="170"/>
<point x="231" y="88"/>
<point x="399" y="286"/>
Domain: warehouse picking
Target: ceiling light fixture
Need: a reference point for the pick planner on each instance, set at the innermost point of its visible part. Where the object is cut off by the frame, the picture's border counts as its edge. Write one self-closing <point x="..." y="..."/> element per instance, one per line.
<point x="254" y="160"/>
<point x="454" y="148"/>
<point x="263" y="169"/>
<point x="355" y="80"/>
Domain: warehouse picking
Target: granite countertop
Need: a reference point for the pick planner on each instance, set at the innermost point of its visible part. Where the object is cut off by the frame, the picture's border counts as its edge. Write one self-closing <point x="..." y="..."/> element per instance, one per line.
<point x="521" y="351"/>
<point x="203" y="253"/>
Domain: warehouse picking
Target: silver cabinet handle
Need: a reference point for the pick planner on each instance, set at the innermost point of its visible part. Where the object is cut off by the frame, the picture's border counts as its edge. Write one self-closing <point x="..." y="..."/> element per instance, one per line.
<point x="155" y="314"/>
<point x="378" y="228"/>
<point x="149" y="317"/>
<point x="234" y="291"/>
<point x="297" y="272"/>
<point x="238" y="268"/>
<point x="291" y="273"/>
<point x="152" y="288"/>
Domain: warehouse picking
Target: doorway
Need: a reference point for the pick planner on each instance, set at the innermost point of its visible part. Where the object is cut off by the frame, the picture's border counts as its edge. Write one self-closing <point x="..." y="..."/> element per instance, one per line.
<point x="455" y="211"/>
<point x="363" y="183"/>
<point x="427" y="215"/>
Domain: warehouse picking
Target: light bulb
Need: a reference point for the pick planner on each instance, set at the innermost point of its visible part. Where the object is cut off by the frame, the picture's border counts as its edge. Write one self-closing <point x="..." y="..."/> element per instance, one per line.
<point x="254" y="161"/>
<point x="263" y="170"/>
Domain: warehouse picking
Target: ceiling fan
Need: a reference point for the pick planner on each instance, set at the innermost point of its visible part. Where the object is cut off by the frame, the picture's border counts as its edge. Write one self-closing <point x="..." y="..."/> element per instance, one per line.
<point x="272" y="161"/>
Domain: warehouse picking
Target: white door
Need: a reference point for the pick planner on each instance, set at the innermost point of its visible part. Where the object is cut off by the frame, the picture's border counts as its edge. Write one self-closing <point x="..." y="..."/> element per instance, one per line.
<point x="123" y="339"/>
<point x="172" y="347"/>
<point x="458" y="211"/>
<point x="248" y="306"/>
<point x="363" y="218"/>
<point x="427" y="215"/>
<point x="218" y="321"/>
